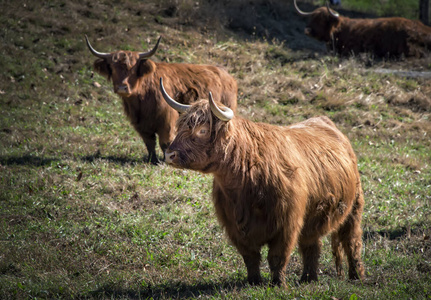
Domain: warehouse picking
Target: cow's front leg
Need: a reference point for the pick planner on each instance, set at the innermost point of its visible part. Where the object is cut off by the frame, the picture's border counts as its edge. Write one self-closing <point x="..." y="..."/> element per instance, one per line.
<point x="310" y="252"/>
<point x="150" y="143"/>
<point x="166" y="136"/>
<point x="280" y="249"/>
<point x="252" y="262"/>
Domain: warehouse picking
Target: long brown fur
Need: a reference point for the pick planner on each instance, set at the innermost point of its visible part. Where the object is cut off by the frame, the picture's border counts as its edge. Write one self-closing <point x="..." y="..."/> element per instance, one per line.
<point x="382" y="37"/>
<point x="280" y="186"/>
<point x="144" y="105"/>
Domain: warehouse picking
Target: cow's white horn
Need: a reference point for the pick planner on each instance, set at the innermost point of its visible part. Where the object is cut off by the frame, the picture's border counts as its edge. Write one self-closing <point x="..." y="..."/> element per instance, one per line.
<point x="96" y="53"/>
<point x="333" y="13"/>
<point x="150" y="53"/>
<point x="172" y="103"/>
<point x="300" y="11"/>
<point x="225" y="115"/>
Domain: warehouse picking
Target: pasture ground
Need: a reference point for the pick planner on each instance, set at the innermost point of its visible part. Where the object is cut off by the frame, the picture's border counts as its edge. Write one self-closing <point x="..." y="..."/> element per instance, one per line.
<point x="81" y="215"/>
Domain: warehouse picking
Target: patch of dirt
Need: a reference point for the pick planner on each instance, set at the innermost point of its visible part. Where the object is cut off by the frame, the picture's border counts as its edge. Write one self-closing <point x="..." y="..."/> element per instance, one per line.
<point x="405" y="73"/>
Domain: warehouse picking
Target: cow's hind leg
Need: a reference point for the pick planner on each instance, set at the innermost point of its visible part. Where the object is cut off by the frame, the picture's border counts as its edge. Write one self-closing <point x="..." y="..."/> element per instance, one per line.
<point x="310" y="252"/>
<point x="338" y="254"/>
<point x="350" y="235"/>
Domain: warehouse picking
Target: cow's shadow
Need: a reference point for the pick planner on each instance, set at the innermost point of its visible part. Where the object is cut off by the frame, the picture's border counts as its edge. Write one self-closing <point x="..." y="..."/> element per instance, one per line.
<point x="121" y="160"/>
<point x="172" y="290"/>
<point x="37" y="161"/>
<point x="26" y="160"/>
<point x="395" y="233"/>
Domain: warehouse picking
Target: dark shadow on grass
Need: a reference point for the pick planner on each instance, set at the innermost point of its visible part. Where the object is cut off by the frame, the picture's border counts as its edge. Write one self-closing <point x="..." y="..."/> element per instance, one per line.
<point x="171" y="290"/>
<point x="396" y="233"/>
<point x="26" y="160"/>
<point x="121" y="160"/>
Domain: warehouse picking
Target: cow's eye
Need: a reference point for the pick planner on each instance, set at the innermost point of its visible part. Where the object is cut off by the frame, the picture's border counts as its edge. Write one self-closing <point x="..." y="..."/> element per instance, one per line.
<point x="202" y="132"/>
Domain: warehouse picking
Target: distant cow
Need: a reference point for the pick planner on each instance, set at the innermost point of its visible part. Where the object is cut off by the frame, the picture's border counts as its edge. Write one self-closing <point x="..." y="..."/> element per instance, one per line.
<point x="135" y="80"/>
<point x="383" y="37"/>
<point x="273" y="185"/>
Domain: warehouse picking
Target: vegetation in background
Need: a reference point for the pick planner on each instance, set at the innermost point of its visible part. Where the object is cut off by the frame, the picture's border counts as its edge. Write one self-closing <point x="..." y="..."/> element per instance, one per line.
<point x="407" y="9"/>
<point x="81" y="215"/>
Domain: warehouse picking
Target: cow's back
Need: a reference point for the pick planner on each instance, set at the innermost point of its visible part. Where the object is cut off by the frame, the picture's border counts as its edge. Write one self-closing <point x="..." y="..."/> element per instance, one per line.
<point x="190" y="82"/>
<point x="382" y="36"/>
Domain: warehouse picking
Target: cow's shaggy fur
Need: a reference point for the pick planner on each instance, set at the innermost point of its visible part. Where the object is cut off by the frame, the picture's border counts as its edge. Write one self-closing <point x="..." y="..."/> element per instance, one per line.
<point x="382" y="37"/>
<point x="136" y="81"/>
<point x="280" y="186"/>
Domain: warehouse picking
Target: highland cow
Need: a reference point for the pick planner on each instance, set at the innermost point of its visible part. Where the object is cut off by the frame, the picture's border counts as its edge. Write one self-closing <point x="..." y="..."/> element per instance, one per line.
<point x="275" y="186"/>
<point x="135" y="80"/>
<point x="382" y="37"/>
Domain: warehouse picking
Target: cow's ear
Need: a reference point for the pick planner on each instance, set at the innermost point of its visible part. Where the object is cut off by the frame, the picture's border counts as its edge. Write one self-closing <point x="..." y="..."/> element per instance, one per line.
<point x="190" y="96"/>
<point x="102" y="67"/>
<point x="146" y="67"/>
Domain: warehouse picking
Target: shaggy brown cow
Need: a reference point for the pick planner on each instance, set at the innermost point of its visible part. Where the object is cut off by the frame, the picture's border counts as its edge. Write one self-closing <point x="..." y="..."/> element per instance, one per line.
<point x="383" y="37"/>
<point x="135" y="79"/>
<point x="273" y="185"/>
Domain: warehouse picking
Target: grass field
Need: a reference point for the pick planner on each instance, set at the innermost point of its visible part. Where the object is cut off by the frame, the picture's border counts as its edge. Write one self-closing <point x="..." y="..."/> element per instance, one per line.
<point x="81" y="214"/>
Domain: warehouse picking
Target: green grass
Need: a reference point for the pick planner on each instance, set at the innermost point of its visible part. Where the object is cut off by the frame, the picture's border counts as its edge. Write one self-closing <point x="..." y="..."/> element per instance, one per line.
<point x="81" y="215"/>
<point x="408" y="9"/>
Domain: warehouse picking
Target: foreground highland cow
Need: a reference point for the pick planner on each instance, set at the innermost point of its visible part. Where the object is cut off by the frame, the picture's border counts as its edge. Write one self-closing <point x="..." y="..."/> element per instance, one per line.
<point x="279" y="186"/>
<point x="136" y="80"/>
<point x="383" y="37"/>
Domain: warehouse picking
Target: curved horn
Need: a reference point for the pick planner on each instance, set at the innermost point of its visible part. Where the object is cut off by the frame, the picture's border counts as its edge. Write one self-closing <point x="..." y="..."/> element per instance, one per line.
<point x="150" y="53"/>
<point x="172" y="103"/>
<point x="96" y="53"/>
<point x="225" y="115"/>
<point x="300" y="11"/>
<point x="333" y="13"/>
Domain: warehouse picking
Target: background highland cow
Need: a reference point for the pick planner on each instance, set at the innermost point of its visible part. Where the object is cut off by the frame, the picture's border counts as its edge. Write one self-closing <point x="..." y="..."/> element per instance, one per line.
<point x="382" y="37"/>
<point x="134" y="77"/>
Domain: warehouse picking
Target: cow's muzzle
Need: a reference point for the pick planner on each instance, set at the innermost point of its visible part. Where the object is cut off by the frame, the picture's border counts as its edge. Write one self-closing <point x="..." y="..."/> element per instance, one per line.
<point x="123" y="90"/>
<point x="170" y="156"/>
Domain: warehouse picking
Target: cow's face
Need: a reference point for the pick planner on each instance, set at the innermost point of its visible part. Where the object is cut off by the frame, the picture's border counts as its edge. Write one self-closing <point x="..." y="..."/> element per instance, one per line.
<point x="126" y="68"/>
<point x="321" y="24"/>
<point x="200" y="131"/>
<point x="193" y="145"/>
